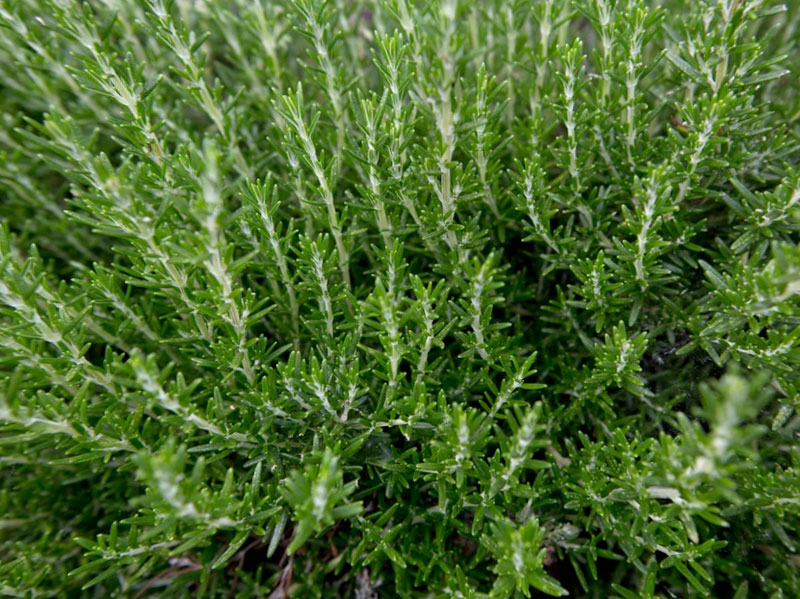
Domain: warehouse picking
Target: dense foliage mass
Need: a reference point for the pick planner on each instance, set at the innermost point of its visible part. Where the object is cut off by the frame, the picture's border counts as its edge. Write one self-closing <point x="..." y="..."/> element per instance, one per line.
<point x="355" y="298"/>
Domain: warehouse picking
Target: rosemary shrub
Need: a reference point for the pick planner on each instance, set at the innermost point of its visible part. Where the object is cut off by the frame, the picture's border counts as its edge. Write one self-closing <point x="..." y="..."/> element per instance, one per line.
<point x="354" y="298"/>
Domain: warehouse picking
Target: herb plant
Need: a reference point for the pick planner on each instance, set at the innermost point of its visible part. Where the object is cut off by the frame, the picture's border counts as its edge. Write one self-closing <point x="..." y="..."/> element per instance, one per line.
<point x="354" y="298"/>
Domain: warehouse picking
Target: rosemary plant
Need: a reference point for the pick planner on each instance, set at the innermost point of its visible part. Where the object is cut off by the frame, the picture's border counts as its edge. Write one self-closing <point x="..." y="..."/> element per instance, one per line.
<point x="384" y="298"/>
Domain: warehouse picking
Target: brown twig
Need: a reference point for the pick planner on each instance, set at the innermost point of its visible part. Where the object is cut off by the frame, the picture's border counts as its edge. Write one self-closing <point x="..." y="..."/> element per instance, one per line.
<point x="177" y="568"/>
<point x="282" y="590"/>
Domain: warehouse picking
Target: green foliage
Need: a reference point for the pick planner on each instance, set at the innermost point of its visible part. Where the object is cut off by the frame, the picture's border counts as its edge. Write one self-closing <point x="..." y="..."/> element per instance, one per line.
<point x="327" y="298"/>
<point x="520" y="557"/>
